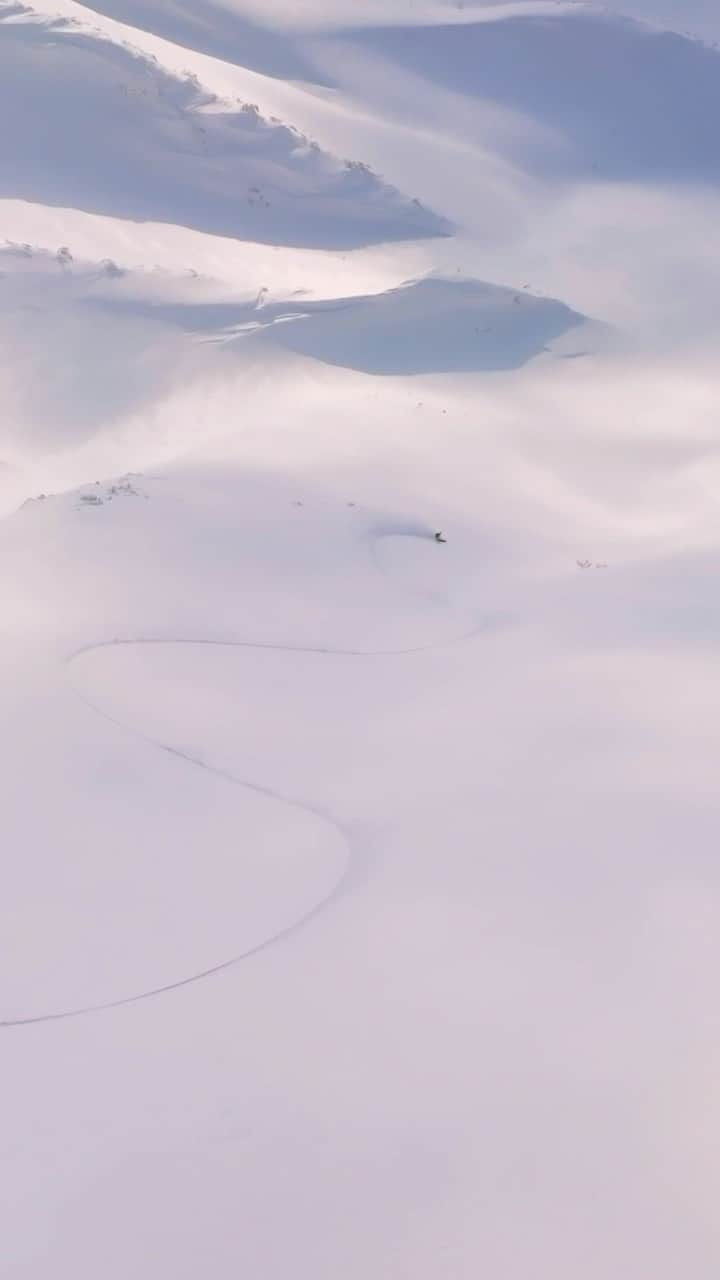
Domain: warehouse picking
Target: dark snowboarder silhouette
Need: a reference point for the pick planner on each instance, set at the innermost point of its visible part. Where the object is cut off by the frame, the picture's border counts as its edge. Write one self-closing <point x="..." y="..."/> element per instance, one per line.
<point x="439" y="537"/>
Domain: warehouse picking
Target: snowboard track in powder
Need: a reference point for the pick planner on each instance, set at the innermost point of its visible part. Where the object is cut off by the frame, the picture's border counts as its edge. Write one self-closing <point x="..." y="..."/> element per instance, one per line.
<point x="186" y="757"/>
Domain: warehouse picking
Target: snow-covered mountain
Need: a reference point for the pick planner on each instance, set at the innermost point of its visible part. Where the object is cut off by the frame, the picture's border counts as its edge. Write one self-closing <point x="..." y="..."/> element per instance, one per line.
<point x="358" y="528"/>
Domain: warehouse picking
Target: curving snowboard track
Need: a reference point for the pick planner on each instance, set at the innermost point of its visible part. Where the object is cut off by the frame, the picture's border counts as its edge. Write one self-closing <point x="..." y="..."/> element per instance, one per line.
<point x="232" y="779"/>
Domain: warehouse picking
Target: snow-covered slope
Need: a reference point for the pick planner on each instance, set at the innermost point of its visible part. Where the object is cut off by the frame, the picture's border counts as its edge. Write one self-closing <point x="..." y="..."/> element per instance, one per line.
<point x="658" y="122"/>
<point x="92" y="350"/>
<point x="217" y="29"/>
<point x="100" y="128"/>
<point x="696" y="19"/>
<point x="359" y="892"/>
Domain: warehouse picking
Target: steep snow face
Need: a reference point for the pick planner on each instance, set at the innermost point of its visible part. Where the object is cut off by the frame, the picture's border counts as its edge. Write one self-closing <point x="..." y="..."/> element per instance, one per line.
<point x="218" y="29"/>
<point x="102" y="129"/>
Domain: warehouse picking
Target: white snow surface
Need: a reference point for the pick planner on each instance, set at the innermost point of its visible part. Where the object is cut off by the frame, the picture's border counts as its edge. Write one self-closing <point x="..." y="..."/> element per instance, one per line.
<point x="360" y="905"/>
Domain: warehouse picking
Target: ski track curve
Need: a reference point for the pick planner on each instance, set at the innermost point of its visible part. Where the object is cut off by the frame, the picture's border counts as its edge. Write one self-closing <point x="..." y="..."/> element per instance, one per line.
<point x="186" y="757"/>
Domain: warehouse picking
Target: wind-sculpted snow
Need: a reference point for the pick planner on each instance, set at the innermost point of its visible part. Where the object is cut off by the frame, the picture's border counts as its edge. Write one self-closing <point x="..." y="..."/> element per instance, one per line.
<point x="432" y="326"/>
<point x="100" y="128"/>
<point x="215" y="28"/>
<point x="92" y="344"/>
<point x="659" y="121"/>
<point x="427" y="326"/>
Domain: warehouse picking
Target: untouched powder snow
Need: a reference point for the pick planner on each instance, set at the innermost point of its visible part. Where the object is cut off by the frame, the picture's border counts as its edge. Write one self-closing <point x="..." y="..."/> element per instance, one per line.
<point x="358" y="687"/>
<point x="658" y="122"/>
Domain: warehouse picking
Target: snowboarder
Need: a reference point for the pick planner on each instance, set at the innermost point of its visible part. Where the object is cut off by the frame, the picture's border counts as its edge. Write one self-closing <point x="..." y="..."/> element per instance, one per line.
<point x="439" y="537"/>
